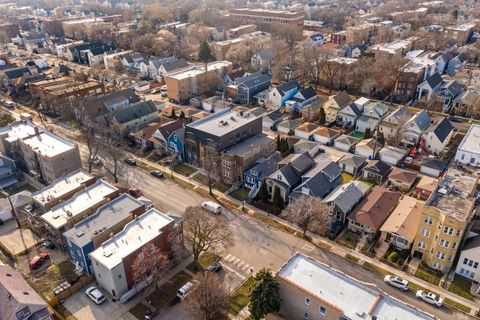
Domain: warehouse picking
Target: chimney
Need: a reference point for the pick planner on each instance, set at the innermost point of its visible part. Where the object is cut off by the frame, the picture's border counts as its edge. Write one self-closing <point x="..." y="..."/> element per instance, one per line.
<point x="36" y="130"/>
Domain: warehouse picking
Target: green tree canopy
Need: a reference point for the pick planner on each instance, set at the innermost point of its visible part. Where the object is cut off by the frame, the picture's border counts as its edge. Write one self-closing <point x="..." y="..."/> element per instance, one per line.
<point x="265" y="296"/>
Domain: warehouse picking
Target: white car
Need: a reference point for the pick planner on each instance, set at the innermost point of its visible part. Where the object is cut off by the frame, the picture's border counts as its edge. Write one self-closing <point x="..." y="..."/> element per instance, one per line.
<point x="212" y="207"/>
<point x="397" y="282"/>
<point x="96" y="295"/>
<point x="183" y="292"/>
<point x="429" y="297"/>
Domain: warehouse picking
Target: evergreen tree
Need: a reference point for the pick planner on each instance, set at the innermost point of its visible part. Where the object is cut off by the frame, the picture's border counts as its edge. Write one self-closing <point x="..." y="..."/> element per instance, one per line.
<point x="263" y="192"/>
<point x="174" y="114"/>
<point x="277" y="198"/>
<point x="265" y="295"/>
<point x="381" y="138"/>
<point x="182" y="115"/>
<point x="204" y="53"/>
<point x="322" y="116"/>
<point x="367" y="134"/>
<point x="278" y="143"/>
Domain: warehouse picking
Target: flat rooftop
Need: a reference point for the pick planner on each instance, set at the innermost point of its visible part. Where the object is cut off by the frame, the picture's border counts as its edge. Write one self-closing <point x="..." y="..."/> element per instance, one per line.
<point x="356" y="300"/>
<point x="196" y="70"/>
<point x="133" y="236"/>
<point x="105" y="218"/>
<point x="471" y="141"/>
<point x="454" y="195"/>
<point x="47" y="144"/>
<point x="222" y="122"/>
<point x="81" y="201"/>
<point x="18" y="130"/>
<point x="243" y="147"/>
<point x="266" y="12"/>
<point x="61" y="186"/>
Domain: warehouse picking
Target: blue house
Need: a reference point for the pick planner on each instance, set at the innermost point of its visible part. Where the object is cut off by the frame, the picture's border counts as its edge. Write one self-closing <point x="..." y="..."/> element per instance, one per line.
<point x="91" y="232"/>
<point x="263" y="168"/>
<point x="176" y="143"/>
<point x="456" y="64"/>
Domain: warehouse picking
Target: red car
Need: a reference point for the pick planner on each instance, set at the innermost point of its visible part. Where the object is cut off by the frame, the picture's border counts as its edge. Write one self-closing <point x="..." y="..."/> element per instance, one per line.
<point x="135" y="192"/>
<point x="38" y="260"/>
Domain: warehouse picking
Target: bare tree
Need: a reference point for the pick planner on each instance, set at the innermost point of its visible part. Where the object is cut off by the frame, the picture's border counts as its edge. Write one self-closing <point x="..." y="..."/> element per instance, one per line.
<point x="309" y="214"/>
<point x="205" y="232"/>
<point x="211" y="165"/>
<point x="88" y="134"/>
<point x="150" y="266"/>
<point x="209" y="299"/>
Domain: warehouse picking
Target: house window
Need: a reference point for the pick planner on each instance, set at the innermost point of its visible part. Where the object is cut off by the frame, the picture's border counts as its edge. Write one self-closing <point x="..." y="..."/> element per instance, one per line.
<point x="305" y="316"/>
<point x="428" y="220"/>
<point x="425" y="232"/>
<point x="440" y="255"/>
<point x="307" y="301"/>
<point x="470" y="263"/>
<point x="422" y="245"/>
<point x="444" y="243"/>
<point x="226" y="174"/>
<point x="448" y="230"/>
<point x="323" y="311"/>
<point x="475" y="265"/>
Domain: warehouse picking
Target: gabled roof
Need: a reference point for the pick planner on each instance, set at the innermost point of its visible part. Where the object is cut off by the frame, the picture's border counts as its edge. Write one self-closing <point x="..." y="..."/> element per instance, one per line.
<point x="434" y="80"/>
<point x="436" y="164"/>
<point x="265" y="53"/>
<point x="307" y="127"/>
<point x="158" y="62"/>
<point x="353" y="160"/>
<point x="168" y="128"/>
<point x="326" y="132"/>
<point x="236" y="74"/>
<point x="349" y="140"/>
<point x="253" y="79"/>
<point x="404" y="219"/>
<point x="308" y="92"/>
<point x="341" y="99"/>
<point x="422" y="120"/>
<point x="321" y="182"/>
<point x="285" y="87"/>
<point x="176" y="64"/>
<point x="374" y="209"/>
<point x="17" y="73"/>
<point x="378" y="167"/>
<point x="371" y="144"/>
<point x="472" y="243"/>
<point x="403" y="175"/>
<point x="267" y="166"/>
<point x="135" y="111"/>
<point x="453" y="87"/>
<point x="346" y="196"/>
<point x="351" y="110"/>
<point x="442" y="129"/>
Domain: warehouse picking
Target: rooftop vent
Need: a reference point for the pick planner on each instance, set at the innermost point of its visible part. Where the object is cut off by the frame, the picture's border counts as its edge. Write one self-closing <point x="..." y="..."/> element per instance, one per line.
<point x="442" y="191"/>
<point x="79" y="234"/>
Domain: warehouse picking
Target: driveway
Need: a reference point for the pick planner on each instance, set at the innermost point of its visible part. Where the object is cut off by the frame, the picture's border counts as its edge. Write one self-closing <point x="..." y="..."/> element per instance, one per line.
<point x="83" y="308"/>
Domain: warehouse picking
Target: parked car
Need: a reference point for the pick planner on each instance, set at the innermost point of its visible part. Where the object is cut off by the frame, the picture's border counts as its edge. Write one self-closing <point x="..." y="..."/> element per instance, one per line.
<point x="96" y="295"/>
<point x="164" y="94"/>
<point x="429" y="297"/>
<point x="212" y="207"/>
<point x="214" y="267"/>
<point x="454" y="119"/>
<point x="397" y="282"/>
<point x="155" y="91"/>
<point x="183" y="292"/>
<point x="157" y="173"/>
<point x="9" y="104"/>
<point x="130" y="161"/>
<point x="135" y="192"/>
<point x="49" y="245"/>
<point x="39" y="260"/>
<point x="96" y="161"/>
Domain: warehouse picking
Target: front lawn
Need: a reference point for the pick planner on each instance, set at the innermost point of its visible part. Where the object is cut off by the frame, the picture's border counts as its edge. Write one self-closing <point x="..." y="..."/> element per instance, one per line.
<point x="347" y="177"/>
<point x="461" y="286"/>
<point x="241" y="194"/>
<point x="348" y="239"/>
<point x="205" y="260"/>
<point x="357" y="134"/>
<point x="427" y="275"/>
<point x="203" y="179"/>
<point x="368" y="182"/>
<point x="241" y="297"/>
<point x="168" y="290"/>
<point x="184" y="169"/>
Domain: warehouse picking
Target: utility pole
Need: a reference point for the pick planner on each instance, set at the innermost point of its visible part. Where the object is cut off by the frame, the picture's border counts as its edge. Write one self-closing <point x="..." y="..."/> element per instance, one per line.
<point x="14" y="211"/>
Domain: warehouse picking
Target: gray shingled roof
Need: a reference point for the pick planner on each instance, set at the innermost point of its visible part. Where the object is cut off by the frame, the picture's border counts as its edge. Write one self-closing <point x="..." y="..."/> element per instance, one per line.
<point x="443" y="129"/>
<point x="348" y="195"/>
<point x="135" y="111"/>
<point x="353" y="160"/>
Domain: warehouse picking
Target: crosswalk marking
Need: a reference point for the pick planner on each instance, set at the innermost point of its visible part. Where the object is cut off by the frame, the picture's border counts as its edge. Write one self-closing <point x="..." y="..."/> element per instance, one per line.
<point x="237" y="263"/>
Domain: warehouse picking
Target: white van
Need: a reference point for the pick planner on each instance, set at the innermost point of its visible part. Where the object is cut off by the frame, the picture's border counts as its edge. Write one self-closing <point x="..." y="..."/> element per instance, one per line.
<point x="183" y="292"/>
<point x="212" y="207"/>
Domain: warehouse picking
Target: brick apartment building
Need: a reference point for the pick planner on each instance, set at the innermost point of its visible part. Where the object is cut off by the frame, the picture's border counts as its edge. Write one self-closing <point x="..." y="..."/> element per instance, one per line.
<point x="266" y="19"/>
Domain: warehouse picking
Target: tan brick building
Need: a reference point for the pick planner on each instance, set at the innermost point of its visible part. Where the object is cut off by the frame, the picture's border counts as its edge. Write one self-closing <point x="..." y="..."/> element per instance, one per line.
<point x="266" y="19"/>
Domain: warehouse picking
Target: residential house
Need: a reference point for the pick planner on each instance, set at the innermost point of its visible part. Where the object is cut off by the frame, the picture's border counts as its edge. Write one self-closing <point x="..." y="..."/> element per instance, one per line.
<point x="461" y="33"/>
<point x="233" y="75"/>
<point x="467" y="102"/>
<point x="468" y="261"/>
<point x="402" y="179"/>
<point x="371" y="117"/>
<point x="143" y="137"/>
<point x="248" y="86"/>
<point x="344" y="198"/>
<point x="456" y="64"/>
<point x="260" y="61"/>
<point x="206" y="138"/>
<point x="242" y="156"/>
<point x="8" y="171"/>
<point x="345" y="143"/>
<point x="305" y="130"/>
<point x="438" y="136"/>
<point x="425" y="187"/>
<point x="65" y="215"/>
<point x="445" y="219"/>
<point x="10" y="77"/>
<point x="263" y="168"/>
<point x="376" y="171"/>
<point x="313" y="148"/>
<point x="316" y="39"/>
<point x="288" y="126"/>
<point x="113" y="261"/>
<point x="289" y="174"/>
<point x="272" y="119"/>
<point x="429" y="86"/>
<point x="40" y="153"/>
<point x="368" y="148"/>
<point x="281" y="93"/>
<point x="310" y="290"/>
<point x="132" y="61"/>
<point x="303" y="97"/>
<point x="351" y="50"/>
<point x="92" y="231"/>
<point x="151" y="68"/>
<point x="349" y="114"/>
<point x="134" y="117"/>
<point x="392" y="155"/>
<point x="390" y="126"/>
<point x="168" y="67"/>
<point x="413" y="129"/>
<point x="432" y="167"/>
<point x="311" y="110"/>
<point x="18" y="299"/>
<point x="400" y="228"/>
<point x="319" y="181"/>
<point x="15" y="204"/>
<point x="372" y="212"/>
<point x="406" y="86"/>
<point x="448" y="92"/>
<point x="325" y="135"/>
<point x="334" y="104"/>
<point x="163" y="138"/>
<point x="468" y="152"/>
<point x="352" y="164"/>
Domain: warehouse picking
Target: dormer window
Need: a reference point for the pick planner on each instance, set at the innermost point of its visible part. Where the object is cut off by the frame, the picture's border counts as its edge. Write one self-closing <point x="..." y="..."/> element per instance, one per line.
<point x="279" y="177"/>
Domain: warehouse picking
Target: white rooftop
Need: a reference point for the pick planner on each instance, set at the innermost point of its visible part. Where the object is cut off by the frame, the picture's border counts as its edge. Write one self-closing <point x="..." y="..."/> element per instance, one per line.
<point x="196" y="70"/>
<point x="222" y="122"/>
<point x="471" y="141"/>
<point x="133" y="236"/>
<point x="61" y="186"/>
<point x="461" y="27"/>
<point x="18" y="130"/>
<point x="82" y="200"/>
<point x="351" y="297"/>
<point x="47" y="144"/>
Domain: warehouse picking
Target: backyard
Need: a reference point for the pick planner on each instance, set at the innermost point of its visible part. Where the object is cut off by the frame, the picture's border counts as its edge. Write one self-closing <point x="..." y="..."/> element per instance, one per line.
<point x="357" y="134"/>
